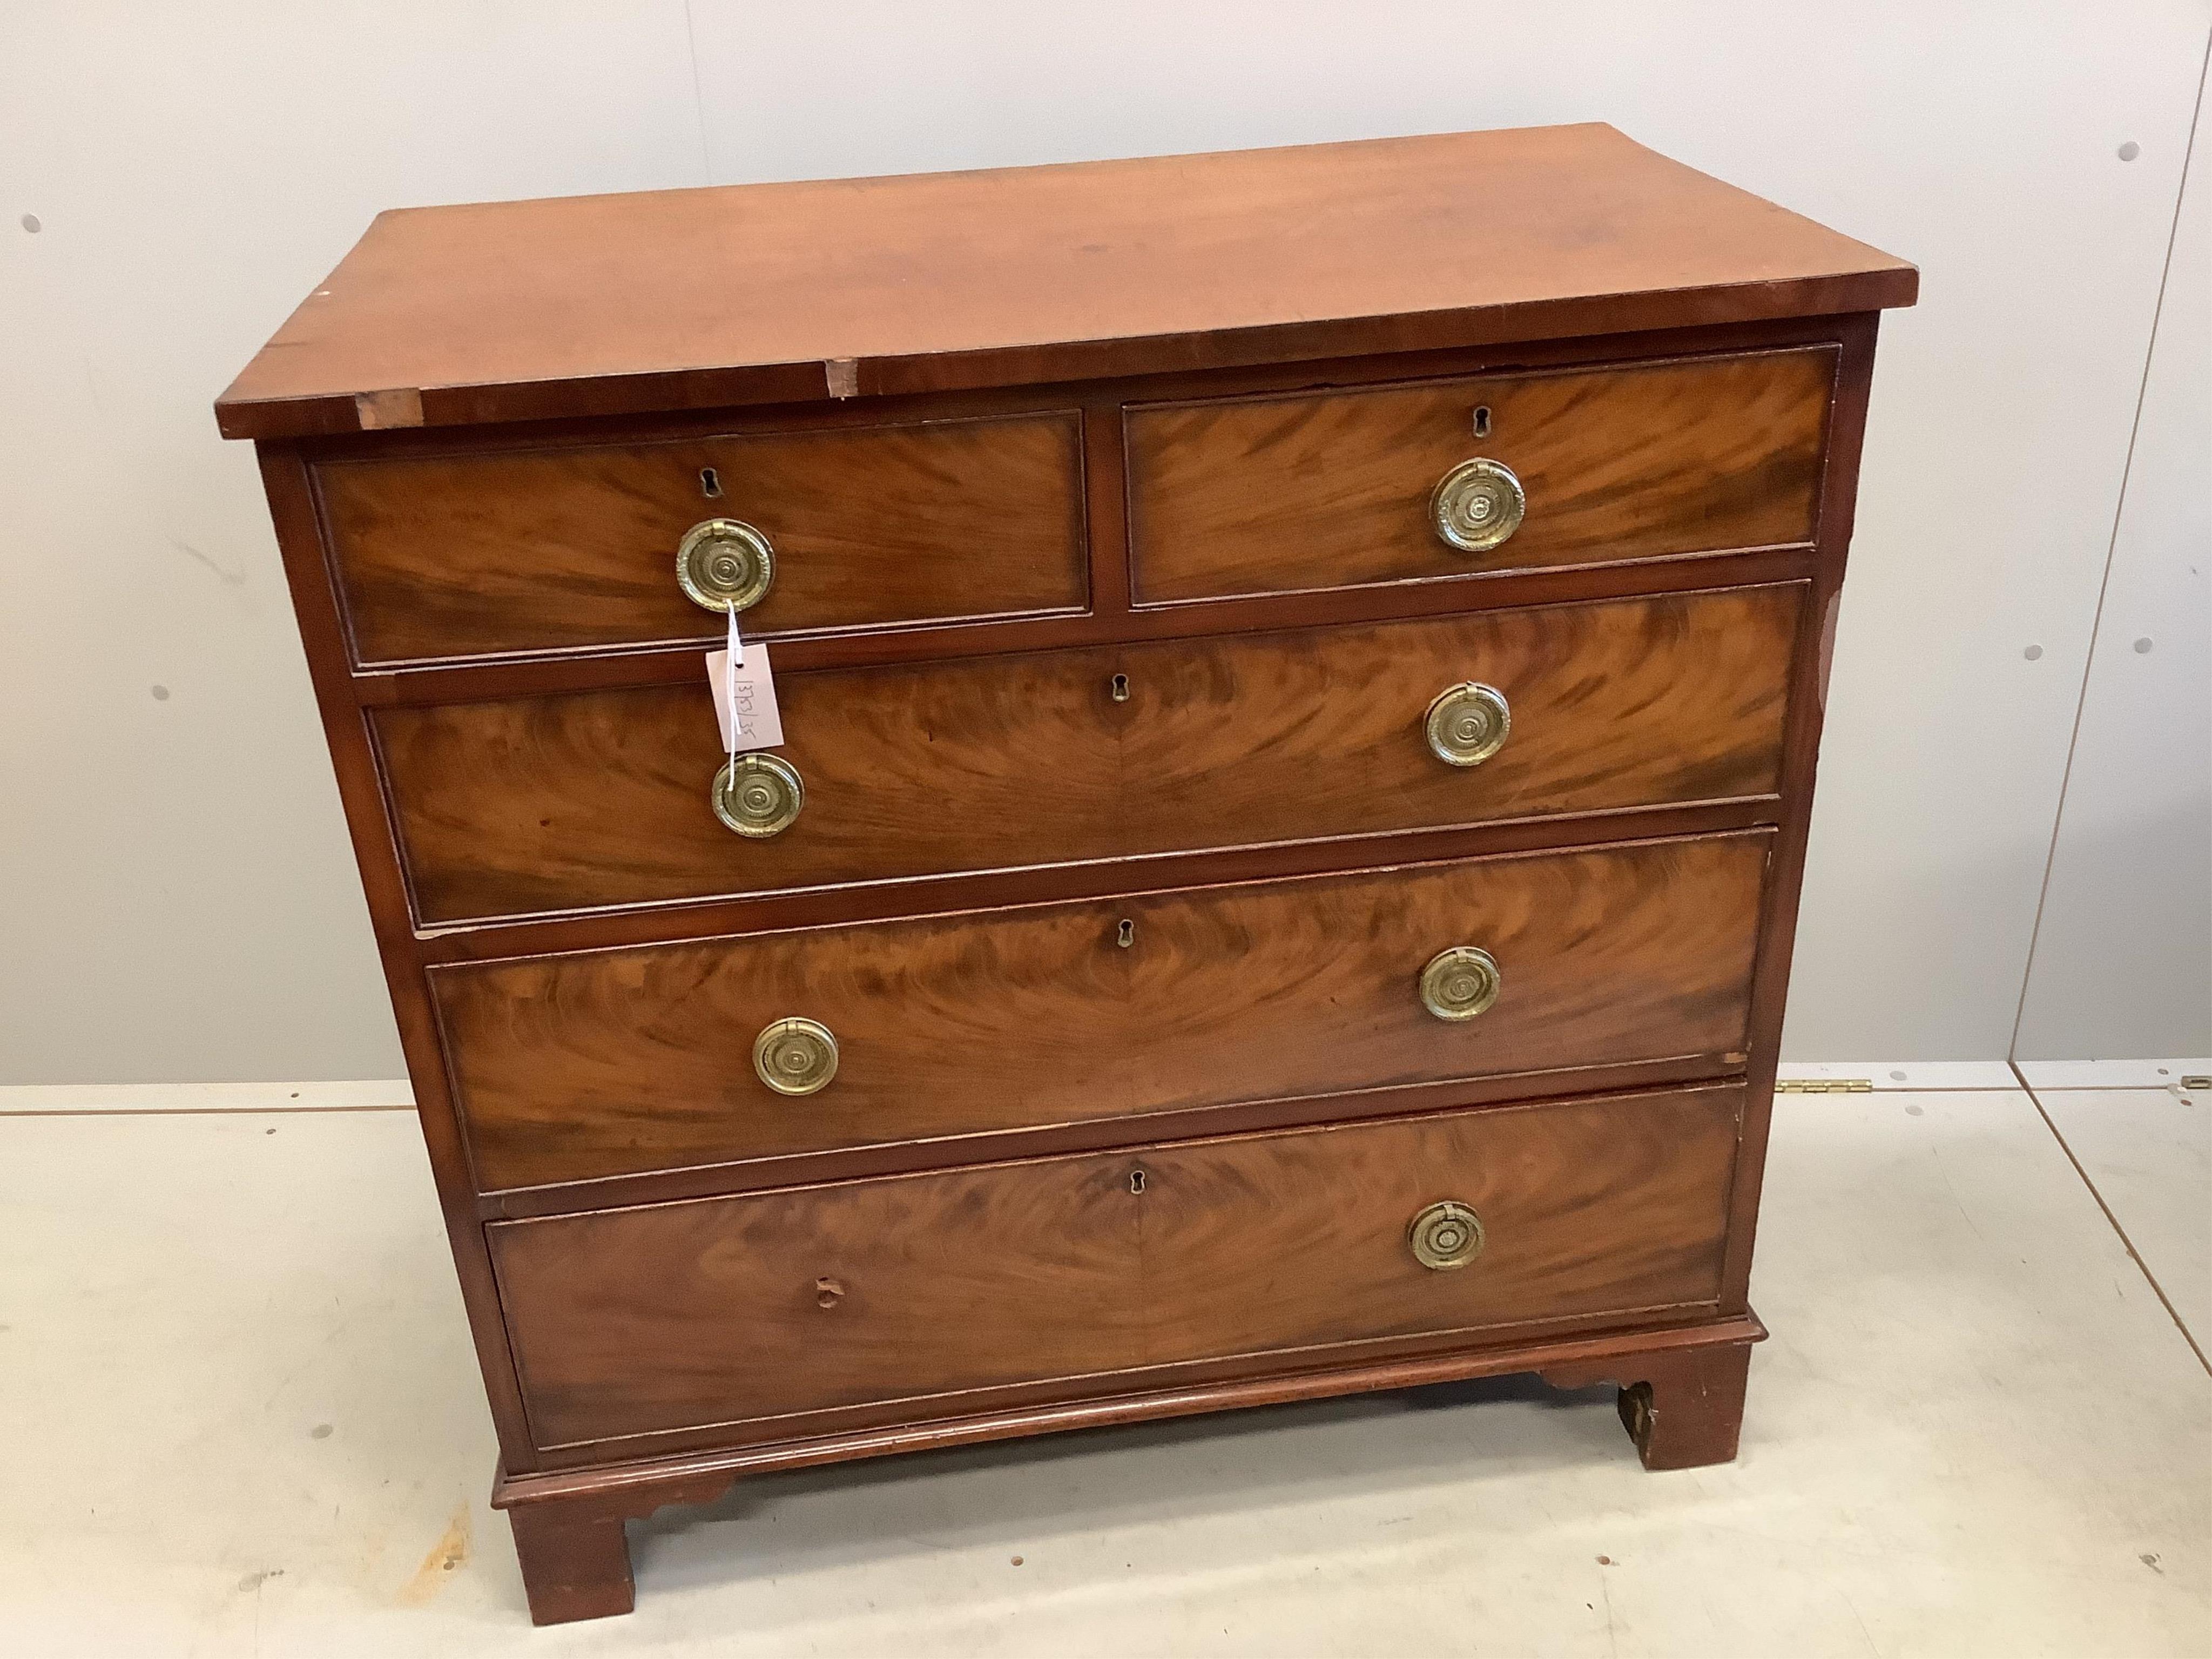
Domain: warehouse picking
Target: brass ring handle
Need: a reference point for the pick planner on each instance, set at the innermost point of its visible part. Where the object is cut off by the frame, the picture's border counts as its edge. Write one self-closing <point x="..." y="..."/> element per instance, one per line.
<point x="1477" y="506"/>
<point x="795" y="1056"/>
<point x="1468" y="723"/>
<point x="725" y="564"/>
<point x="1445" y="1236"/>
<point x="1460" y="983"/>
<point x="757" y="795"/>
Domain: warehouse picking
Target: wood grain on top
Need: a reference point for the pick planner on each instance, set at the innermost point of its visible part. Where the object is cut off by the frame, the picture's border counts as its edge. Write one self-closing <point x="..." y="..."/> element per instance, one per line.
<point x="451" y="316"/>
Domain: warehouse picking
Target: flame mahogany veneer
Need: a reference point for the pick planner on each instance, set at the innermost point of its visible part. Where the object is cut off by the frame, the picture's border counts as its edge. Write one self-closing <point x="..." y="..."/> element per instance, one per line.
<point x="1110" y="599"/>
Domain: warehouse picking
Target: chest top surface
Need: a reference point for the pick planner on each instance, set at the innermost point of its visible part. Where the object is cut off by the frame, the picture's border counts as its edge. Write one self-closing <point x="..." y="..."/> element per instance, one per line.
<point x="583" y="306"/>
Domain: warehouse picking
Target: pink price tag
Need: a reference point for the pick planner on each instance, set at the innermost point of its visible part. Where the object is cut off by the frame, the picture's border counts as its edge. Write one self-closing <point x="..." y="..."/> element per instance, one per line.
<point x="744" y="700"/>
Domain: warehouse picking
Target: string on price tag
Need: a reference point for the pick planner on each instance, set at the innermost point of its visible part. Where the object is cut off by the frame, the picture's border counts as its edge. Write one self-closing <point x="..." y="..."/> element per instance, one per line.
<point x="744" y="694"/>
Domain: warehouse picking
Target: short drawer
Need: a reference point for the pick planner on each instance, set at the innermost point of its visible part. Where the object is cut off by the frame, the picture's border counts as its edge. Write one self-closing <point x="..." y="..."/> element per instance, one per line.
<point x="596" y="798"/>
<point x="1341" y="488"/>
<point x="615" y="1062"/>
<point x="550" y="549"/>
<point x="757" y="1317"/>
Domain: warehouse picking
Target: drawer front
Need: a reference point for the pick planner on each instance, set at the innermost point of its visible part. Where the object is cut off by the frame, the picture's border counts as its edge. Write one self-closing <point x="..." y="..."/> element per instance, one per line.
<point x="1070" y="1275"/>
<point x="596" y="798"/>
<point x="558" y="549"/>
<point x="614" y="1062"/>
<point x="1334" y="490"/>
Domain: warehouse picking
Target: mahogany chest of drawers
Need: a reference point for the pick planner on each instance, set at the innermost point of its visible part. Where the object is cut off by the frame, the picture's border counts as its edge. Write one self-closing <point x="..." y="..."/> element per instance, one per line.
<point x="1300" y="675"/>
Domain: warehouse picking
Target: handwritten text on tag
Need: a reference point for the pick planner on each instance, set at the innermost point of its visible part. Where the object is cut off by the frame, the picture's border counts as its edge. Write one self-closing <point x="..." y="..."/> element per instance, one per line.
<point x="750" y="691"/>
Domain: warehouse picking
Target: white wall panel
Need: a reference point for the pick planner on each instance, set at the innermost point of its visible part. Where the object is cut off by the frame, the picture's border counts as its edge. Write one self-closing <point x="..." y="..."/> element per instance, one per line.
<point x="2123" y="962"/>
<point x="181" y="899"/>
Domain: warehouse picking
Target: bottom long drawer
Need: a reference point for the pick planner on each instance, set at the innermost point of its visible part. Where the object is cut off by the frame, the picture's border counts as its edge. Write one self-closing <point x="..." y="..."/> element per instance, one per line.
<point x="776" y="1313"/>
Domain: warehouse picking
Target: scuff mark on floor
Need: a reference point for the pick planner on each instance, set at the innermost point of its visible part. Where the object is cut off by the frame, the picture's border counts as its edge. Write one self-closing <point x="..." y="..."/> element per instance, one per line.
<point x="445" y="1555"/>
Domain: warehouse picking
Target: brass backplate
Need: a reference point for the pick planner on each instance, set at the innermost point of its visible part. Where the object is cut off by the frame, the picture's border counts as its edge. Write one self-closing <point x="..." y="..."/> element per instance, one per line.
<point x="1466" y="724"/>
<point x="757" y="795"/>
<point x="1460" y="983"/>
<point x="1477" y="506"/>
<point x="725" y="564"/>
<point x="795" y="1056"/>
<point x="1445" y="1235"/>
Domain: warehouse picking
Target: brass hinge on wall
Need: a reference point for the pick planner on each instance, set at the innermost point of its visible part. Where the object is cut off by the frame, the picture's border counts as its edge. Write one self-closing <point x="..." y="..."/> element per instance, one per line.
<point x="1823" y="1085"/>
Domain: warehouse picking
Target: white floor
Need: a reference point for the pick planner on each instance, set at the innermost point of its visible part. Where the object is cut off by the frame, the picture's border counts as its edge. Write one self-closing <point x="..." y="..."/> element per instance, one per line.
<point x="238" y="1416"/>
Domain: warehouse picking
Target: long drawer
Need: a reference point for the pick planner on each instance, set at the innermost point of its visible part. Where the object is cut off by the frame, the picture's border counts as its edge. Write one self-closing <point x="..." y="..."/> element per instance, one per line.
<point x="757" y="1317"/>
<point x="600" y="799"/>
<point x="614" y="1062"/>
<point x="577" y="546"/>
<point x="1346" y="488"/>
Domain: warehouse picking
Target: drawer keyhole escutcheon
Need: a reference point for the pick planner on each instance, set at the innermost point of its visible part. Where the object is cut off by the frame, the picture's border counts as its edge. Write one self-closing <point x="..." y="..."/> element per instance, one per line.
<point x="1126" y="934"/>
<point x="1137" y="1181"/>
<point x="725" y="564"/>
<point x="757" y="795"/>
<point x="1460" y="983"/>
<point x="1477" y="506"/>
<point x="710" y="482"/>
<point x="1468" y="723"/>
<point x="1445" y="1236"/>
<point x="1482" y="419"/>
<point x="1118" y="689"/>
<point x="795" y="1056"/>
<point x="829" y="1292"/>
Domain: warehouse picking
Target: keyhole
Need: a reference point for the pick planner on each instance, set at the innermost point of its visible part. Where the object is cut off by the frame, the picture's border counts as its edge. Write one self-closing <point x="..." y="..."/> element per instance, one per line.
<point x="829" y="1292"/>
<point x="1136" y="1180"/>
<point x="1482" y="419"/>
<point x="1120" y="687"/>
<point x="1126" y="935"/>
<point x="710" y="485"/>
